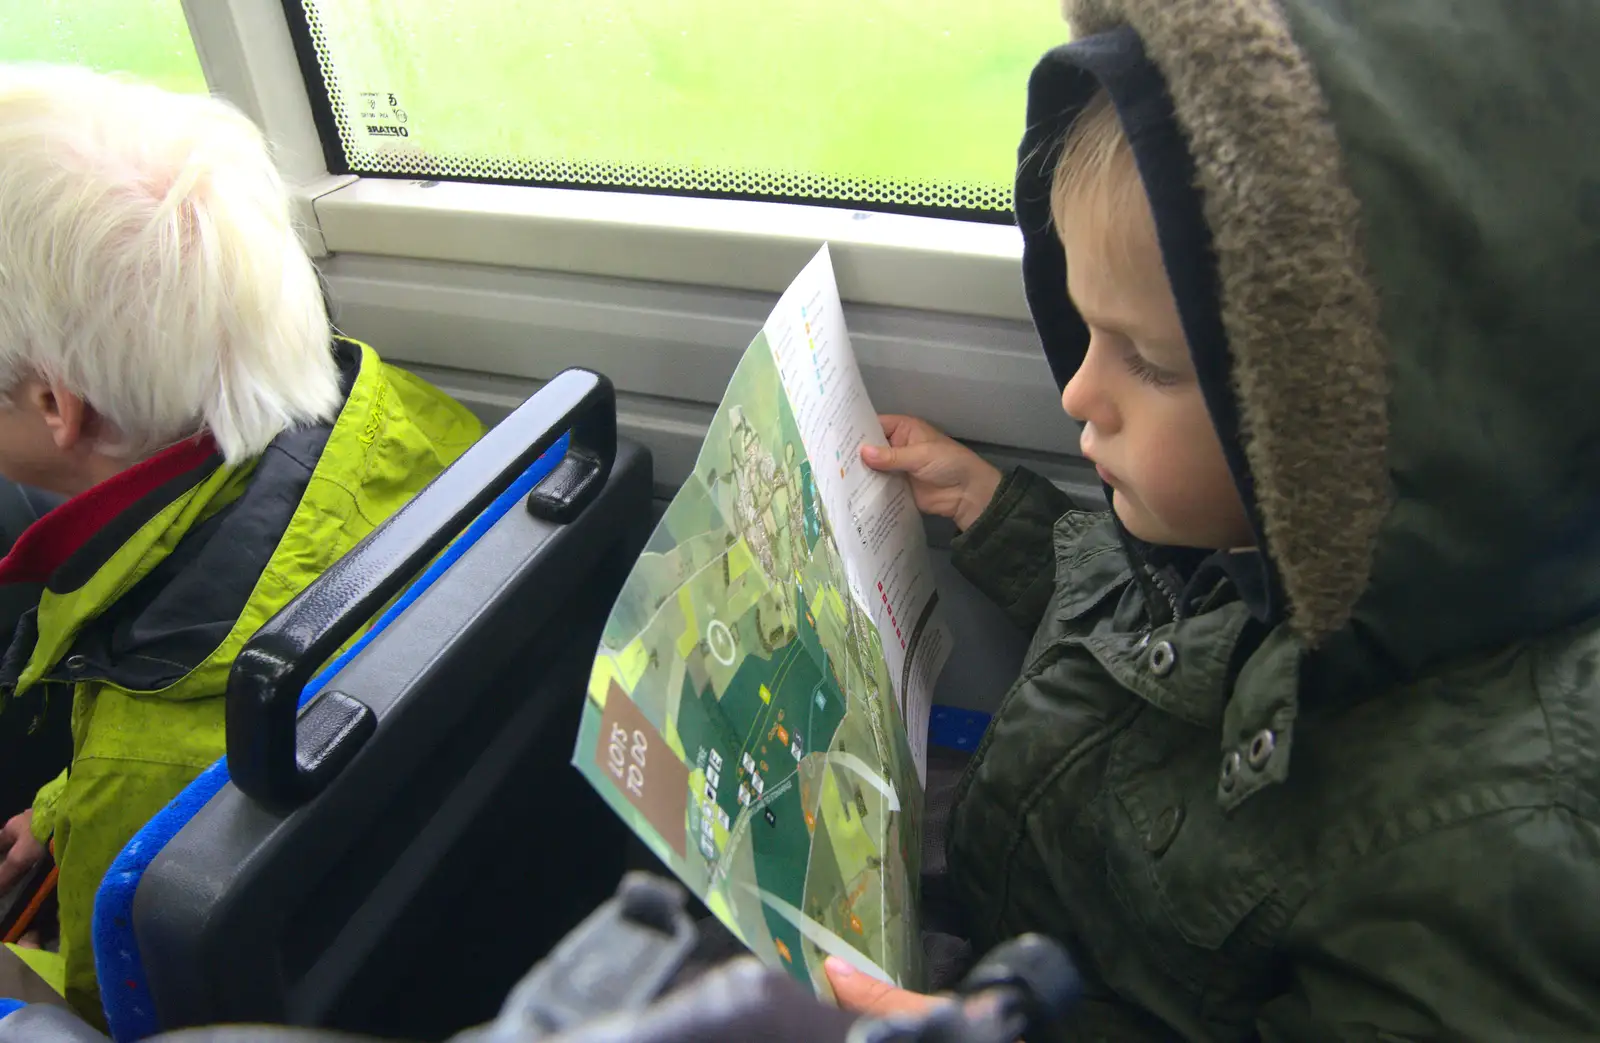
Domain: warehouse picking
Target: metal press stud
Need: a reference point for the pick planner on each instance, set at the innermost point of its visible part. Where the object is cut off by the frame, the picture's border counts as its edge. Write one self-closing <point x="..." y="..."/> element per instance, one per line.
<point x="1163" y="658"/>
<point x="1261" y="748"/>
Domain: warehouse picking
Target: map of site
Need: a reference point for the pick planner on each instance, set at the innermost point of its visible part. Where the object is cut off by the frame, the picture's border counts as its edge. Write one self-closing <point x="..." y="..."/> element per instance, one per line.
<point x="749" y="704"/>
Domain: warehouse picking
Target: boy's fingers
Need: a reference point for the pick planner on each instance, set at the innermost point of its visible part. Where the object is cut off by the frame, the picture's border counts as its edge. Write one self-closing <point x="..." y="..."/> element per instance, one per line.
<point x="907" y="430"/>
<point x="865" y="994"/>
<point x="893" y="422"/>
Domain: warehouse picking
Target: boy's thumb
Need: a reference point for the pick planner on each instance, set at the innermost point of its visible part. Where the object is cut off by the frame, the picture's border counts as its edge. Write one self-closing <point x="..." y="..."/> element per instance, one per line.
<point x="888" y="458"/>
<point x="865" y="994"/>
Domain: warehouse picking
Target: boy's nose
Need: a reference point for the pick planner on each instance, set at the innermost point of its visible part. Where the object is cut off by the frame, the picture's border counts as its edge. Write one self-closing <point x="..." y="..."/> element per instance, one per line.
<point x="1086" y="401"/>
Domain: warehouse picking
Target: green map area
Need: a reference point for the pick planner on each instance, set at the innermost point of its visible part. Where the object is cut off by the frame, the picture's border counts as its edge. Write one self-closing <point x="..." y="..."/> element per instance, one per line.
<point x="763" y="756"/>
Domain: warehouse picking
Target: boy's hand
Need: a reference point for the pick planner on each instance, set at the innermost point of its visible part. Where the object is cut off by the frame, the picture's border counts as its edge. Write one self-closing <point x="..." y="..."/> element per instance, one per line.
<point x="21" y="852"/>
<point x="864" y="994"/>
<point x="947" y="478"/>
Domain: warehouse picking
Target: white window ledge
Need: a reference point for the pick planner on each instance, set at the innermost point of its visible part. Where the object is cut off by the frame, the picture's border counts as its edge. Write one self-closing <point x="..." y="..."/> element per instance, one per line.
<point x="963" y="267"/>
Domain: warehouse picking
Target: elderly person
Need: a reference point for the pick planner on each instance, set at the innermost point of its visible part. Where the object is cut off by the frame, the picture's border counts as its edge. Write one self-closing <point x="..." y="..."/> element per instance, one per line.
<point x="167" y="366"/>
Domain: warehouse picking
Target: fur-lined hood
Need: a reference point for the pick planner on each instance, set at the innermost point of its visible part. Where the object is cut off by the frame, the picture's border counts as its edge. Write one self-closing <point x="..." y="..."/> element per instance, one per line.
<point x="1403" y="206"/>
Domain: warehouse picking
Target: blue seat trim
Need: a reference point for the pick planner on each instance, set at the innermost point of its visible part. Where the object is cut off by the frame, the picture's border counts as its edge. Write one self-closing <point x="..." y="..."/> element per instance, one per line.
<point x="8" y="1007"/>
<point x="124" y="988"/>
<point x="955" y="728"/>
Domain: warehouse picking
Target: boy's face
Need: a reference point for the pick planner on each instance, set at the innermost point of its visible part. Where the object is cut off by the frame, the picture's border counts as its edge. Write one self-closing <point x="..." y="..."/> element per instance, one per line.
<point x="1145" y="424"/>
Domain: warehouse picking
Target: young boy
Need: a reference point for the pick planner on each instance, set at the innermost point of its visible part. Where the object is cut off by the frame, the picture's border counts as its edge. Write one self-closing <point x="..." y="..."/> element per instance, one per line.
<point x="166" y="362"/>
<point x="1307" y="743"/>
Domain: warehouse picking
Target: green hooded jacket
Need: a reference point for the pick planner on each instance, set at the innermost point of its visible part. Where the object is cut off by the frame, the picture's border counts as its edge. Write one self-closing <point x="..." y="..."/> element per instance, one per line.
<point x="1347" y="789"/>
<point x="142" y="623"/>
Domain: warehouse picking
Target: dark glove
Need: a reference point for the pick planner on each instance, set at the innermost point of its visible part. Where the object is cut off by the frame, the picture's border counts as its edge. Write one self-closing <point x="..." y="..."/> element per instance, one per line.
<point x="739" y="1002"/>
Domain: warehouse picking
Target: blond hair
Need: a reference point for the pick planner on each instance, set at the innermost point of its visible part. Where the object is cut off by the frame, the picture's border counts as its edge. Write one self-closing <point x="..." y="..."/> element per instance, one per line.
<point x="1096" y="176"/>
<point x="149" y="264"/>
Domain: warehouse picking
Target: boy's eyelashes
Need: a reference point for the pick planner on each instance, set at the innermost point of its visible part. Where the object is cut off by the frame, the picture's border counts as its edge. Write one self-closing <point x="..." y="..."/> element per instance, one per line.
<point x="1145" y="370"/>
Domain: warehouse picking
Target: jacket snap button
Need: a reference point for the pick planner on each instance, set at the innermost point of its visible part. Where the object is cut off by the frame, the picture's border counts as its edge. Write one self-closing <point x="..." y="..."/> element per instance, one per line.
<point x="77" y="664"/>
<point x="1163" y="830"/>
<point x="1230" y="771"/>
<point x="1261" y="748"/>
<point x="1163" y="657"/>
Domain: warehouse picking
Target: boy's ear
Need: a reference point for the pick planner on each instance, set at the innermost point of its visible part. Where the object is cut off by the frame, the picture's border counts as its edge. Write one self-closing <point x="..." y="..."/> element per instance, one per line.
<point x="67" y="416"/>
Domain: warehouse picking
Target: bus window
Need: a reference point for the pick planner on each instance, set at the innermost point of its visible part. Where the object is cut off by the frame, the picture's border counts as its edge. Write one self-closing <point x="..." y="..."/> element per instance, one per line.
<point x="878" y="104"/>
<point x="148" y="38"/>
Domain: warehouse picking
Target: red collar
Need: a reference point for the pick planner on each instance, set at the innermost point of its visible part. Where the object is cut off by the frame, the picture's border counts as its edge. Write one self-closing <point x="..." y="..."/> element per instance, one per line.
<point x="51" y="540"/>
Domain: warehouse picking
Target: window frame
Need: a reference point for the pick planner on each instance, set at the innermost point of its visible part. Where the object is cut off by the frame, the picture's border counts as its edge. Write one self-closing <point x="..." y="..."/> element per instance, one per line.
<point x="337" y="155"/>
<point x="248" y="54"/>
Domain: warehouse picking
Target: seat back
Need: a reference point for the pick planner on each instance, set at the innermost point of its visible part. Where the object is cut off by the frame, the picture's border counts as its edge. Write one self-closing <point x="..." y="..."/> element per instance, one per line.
<point x="391" y="861"/>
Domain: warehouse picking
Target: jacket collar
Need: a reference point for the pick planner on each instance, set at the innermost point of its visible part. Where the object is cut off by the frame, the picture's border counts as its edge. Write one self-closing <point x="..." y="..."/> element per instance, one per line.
<point x="1206" y="657"/>
<point x="150" y="594"/>
<point x="74" y="540"/>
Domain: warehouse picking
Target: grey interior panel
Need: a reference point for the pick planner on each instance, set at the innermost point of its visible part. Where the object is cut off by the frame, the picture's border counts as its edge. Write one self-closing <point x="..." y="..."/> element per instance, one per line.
<point x="980" y="379"/>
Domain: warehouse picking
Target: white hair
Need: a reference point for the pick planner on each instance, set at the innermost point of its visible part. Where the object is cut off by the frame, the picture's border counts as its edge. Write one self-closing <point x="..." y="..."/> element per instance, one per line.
<point x="148" y="264"/>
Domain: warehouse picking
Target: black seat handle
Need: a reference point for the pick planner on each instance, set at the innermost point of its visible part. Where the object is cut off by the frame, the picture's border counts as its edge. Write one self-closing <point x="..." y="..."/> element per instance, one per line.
<point x="280" y="758"/>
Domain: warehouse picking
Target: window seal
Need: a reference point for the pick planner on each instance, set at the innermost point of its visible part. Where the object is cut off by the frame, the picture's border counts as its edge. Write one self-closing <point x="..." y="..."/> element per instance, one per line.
<point x="896" y="260"/>
<point x="298" y="21"/>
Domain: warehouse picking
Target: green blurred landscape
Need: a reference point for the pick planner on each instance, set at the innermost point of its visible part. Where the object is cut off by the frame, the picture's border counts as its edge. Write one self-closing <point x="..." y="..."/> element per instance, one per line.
<point x="927" y="92"/>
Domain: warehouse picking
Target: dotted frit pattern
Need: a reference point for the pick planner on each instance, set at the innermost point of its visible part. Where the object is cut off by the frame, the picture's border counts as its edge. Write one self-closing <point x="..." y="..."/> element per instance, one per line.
<point x="395" y="158"/>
